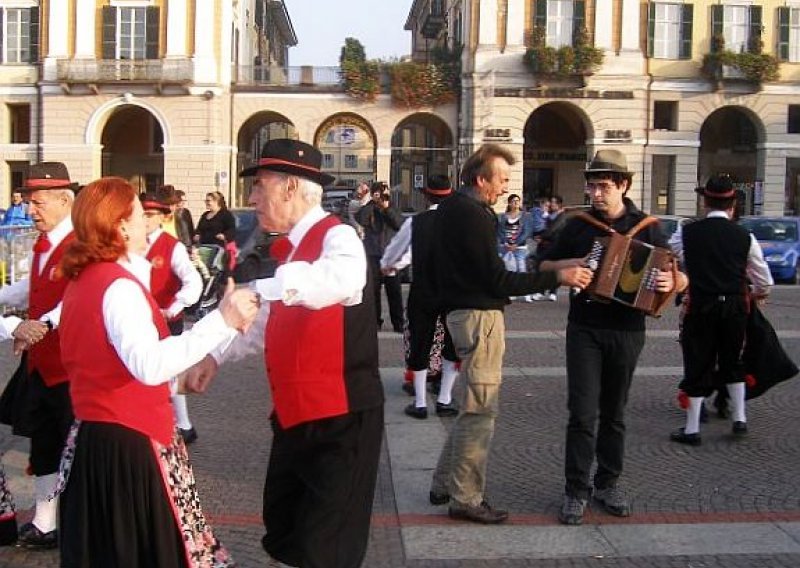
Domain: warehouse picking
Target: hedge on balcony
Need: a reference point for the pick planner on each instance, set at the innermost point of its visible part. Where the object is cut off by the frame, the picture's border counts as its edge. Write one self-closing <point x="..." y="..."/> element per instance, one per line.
<point x="417" y="85"/>
<point x="581" y="58"/>
<point x="754" y="65"/>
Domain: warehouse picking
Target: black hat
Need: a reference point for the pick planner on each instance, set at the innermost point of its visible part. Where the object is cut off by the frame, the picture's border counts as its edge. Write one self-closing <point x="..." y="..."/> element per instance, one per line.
<point x="439" y="186"/>
<point x="47" y="175"/>
<point x="608" y="161"/>
<point x="154" y="201"/>
<point x="291" y="157"/>
<point x="719" y="186"/>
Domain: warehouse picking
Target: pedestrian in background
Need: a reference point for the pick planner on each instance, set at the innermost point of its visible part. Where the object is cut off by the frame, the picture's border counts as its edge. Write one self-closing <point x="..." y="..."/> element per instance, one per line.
<point x="545" y="240"/>
<point x="604" y="340"/>
<point x="722" y="260"/>
<point x="380" y="221"/>
<point x="474" y="288"/>
<point x="423" y="307"/>
<point x="17" y="213"/>
<point x="514" y="228"/>
<point x="184" y="224"/>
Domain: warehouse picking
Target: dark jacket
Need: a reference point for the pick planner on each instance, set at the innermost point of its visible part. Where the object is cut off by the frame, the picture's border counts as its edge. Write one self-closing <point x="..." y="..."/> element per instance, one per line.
<point x="379" y="226"/>
<point x="470" y="275"/>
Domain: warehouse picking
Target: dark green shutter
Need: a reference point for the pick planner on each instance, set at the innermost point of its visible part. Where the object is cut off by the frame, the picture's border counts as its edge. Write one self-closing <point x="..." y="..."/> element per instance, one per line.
<point x="578" y="18"/>
<point x="152" y="32"/>
<point x="34" y="34"/>
<point x="259" y="17"/>
<point x="717" y="16"/>
<point x="540" y="17"/>
<point x="784" y="15"/>
<point x="109" y="32"/>
<point x="754" y="39"/>
<point x="651" y="28"/>
<point x="685" y="49"/>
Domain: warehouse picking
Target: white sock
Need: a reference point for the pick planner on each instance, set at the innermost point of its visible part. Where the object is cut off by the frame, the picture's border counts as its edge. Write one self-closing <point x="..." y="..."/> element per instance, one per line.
<point x="420" y="388"/>
<point x="46" y="510"/>
<point x="449" y="376"/>
<point x="181" y="411"/>
<point x="693" y="415"/>
<point x="736" y="392"/>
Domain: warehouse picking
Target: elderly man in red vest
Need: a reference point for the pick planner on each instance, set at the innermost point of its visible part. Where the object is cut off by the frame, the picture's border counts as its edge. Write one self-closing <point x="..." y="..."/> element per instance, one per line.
<point x="40" y="404"/>
<point x="321" y="350"/>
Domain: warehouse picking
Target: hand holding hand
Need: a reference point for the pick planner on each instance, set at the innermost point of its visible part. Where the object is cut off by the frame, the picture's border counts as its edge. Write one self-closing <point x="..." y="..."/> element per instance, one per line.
<point x="30" y="331"/>
<point x="239" y="306"/>
<point x="197" y="377"/>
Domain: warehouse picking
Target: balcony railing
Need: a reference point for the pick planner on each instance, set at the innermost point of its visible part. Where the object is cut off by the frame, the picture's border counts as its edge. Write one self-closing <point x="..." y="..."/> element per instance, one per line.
<point x="275" y="76"/>
<point x="174" y="71"/>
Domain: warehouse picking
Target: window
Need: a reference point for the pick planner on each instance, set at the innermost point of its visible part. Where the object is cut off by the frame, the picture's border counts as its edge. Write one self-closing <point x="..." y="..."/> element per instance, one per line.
<point x="663" y="184"/>
<point x="559" y="19"/>
<point x="131" y="33"/>
<point x="665" y="115"/>
<point x="350" y="161"/>
<point x="669" y="31"/>
<point x="789" y="34"/>
<point x="19" y="122"/>
<point x="19" y="35"/>
<point x="327" y="161"/>
<point x="739" y="25"/>
<point x="793" y="120"/>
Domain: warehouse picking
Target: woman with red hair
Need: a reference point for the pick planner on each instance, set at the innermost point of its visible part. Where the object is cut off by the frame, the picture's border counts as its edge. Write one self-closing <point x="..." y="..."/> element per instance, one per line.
<point x="129" y="496"/>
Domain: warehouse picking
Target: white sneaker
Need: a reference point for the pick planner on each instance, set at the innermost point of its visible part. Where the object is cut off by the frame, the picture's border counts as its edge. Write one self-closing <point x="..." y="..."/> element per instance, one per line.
<point x="528" y="298"/>
<point x="537" y="297"/>
<point x="552" y="297"/>
<point x="512" y="298"/>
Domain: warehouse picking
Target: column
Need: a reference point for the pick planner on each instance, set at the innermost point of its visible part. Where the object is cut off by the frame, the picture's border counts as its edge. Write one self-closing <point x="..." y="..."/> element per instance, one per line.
<point x="205" y="66"/>
<point x="515" y="25"/>
<point x="630" y="25"/>
<point x="84" y="29"/>
<point x="176" y="28"/>
<point x="58" y="27"/>
<point x="603" y="24"/>
<point x="487" y="25"/>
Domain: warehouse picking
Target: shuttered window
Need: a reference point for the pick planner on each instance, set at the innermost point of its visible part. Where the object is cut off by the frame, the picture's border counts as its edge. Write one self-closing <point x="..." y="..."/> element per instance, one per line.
<point x="669" y="30"/>
<point x="560" y="19"/>
<point x="131" y="32"/>
<point x="789" y="34"/>
<point x="19" y="35"/>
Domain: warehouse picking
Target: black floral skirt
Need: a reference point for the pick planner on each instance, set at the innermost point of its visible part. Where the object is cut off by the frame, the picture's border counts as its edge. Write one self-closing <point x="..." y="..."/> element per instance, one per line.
<point x="127" y="500"/>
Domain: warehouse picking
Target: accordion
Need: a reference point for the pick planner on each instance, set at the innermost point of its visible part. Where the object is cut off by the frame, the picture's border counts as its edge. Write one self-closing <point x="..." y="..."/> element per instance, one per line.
<point x="626" y="270"/>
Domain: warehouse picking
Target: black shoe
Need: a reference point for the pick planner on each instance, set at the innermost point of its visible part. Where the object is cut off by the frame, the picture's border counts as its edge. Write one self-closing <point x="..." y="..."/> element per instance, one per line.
<point x="408" y="388"/>
<point x="683" y="438"/>
<point x="483" y="513"/>
<point x="189" y="436"/>
<point x="414" y="411"/>
<point x="739" y="428"/>
<point x="8" y="531"/>
<point x="31" y="537"/>
<point x="438" y="498"/>
<point x="613" y="500"/>
<point x="446" y="409"/>
<point x="572" y="509"/>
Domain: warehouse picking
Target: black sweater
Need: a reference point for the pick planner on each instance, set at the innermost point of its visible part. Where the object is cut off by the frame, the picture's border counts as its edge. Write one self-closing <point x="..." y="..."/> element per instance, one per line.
<point x="470" y="274"/>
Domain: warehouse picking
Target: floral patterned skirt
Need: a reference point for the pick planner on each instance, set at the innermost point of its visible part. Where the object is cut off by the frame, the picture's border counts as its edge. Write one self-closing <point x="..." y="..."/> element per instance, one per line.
<point x="127" y="500"/>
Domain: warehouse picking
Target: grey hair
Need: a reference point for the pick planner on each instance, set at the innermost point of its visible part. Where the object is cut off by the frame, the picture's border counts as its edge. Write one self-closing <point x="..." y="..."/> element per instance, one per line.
<point x="309" y="190"/>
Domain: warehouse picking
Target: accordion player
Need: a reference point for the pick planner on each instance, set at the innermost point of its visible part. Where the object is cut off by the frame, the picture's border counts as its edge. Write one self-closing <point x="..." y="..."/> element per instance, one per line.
<point x="626" y="270"/>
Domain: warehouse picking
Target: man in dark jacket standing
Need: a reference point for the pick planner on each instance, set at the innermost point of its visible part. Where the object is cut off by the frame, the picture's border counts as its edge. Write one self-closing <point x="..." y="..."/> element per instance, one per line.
<point x="380" y="221"/>
<point x="477" y="289"/>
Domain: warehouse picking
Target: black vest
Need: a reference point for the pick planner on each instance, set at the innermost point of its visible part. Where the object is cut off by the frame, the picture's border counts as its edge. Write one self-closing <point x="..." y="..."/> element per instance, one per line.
<point x="423" y="293"/>
<point x="715" y="252"/>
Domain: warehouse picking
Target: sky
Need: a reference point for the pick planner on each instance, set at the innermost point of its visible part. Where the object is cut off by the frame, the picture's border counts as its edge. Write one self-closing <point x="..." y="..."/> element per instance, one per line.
<point x="322" y="25"/>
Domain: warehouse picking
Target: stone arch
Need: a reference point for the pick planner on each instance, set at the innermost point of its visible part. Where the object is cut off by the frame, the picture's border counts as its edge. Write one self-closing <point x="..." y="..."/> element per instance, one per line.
<point x="349" y="145"/>
<point x="253" y="133"/>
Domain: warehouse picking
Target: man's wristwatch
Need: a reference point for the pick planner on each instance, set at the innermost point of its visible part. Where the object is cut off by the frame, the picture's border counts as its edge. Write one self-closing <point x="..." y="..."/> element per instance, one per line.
<point x="48" y="323"/>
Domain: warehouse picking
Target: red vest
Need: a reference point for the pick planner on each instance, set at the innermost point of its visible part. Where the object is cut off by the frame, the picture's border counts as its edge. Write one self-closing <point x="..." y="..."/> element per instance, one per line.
<point x="163" y="282"/>
<point x="304" y="350"/>
<point x="101" y="387"/>
<point x="46" y="291"/>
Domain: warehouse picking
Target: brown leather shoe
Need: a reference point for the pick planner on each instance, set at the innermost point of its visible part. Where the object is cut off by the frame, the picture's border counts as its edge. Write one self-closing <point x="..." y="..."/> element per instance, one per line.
<point x="31" y="537"/>
<point x="483" y="513"/>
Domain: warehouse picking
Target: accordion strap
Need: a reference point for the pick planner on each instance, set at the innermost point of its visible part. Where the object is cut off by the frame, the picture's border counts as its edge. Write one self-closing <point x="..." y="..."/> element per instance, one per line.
<point x="644" y="223"/>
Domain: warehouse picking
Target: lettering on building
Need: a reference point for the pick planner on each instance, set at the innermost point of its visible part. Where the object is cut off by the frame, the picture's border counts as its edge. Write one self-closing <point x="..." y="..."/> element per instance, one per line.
<point x="497" y="134"/>
<point x="617" y="136"/>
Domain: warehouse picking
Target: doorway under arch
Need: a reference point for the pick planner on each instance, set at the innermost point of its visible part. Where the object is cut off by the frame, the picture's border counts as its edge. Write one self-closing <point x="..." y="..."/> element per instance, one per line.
<point x="253" y="134"/>
<point x="133" y="147"/>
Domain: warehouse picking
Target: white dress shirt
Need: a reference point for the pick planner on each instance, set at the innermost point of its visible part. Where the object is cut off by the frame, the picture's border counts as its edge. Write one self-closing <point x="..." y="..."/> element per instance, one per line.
<point x="182" y="267"/>
<point x="397" y="254"/>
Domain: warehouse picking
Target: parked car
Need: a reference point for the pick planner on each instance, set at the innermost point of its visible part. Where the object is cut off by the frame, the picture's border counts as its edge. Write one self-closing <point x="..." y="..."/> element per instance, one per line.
<point x="336" y="201"/>
<point x="670" y="223"/>
<point x="253" y="260"/>
<point x="779" y="238"/>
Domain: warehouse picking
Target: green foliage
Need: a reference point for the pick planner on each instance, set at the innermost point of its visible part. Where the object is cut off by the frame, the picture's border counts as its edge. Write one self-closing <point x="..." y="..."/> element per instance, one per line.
<point x="417" y="85"/>
<point x="754" y="65"/>
<point x="579" y="59"/>
<point x="361" y="80"/>
<point x="352" y="51"/>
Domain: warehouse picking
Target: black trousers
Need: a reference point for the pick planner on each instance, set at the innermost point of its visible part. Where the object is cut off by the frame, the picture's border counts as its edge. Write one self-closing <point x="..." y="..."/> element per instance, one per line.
<point x="393" y="294"/>
<point x="712" y="340"/>
<point x="600" y="366"/>
<point x="319" y="490"/>
<point x="421" y="330"/>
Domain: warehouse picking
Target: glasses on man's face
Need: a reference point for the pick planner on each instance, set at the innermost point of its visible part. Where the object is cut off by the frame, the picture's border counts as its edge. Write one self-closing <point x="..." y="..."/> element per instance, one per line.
<point x="604" y="186"/>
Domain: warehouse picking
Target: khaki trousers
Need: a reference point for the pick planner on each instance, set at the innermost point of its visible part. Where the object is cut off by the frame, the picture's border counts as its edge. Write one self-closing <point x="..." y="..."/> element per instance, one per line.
<point x="479" y="340"/>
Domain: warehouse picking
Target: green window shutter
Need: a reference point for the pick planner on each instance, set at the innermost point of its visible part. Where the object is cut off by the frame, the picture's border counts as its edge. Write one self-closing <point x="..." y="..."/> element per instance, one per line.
<point x="34" y="34"/>
<point x="540" y="15"/>
<point x="717" y="11"/>
<point x="109" y="32"/>
<point x="784" y="14"/>
<point x="578" y="18"/>
<point x="651" y="27"/>
<point x="754" y="39"/>
<point x="153" y="26"/>
<point x="685" y="50"/>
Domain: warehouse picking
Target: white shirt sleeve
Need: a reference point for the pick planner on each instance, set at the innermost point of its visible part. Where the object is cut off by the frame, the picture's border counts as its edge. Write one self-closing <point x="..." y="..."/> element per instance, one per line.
<point x="191" y="282"/>
<point x="398" y="247"/>
<point x="757" y="269"/>
<point x="336" y="277"/>
<point x="129" y="324"/>
<point x="16" y="294"/>
<point x="676" y="243"/>
<point x="7" y="326"/>
<point x="244" y="344"/>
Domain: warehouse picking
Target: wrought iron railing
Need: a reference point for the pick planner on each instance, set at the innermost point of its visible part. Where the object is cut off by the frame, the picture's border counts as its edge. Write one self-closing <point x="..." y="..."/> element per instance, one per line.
<point x="273" y="75"/>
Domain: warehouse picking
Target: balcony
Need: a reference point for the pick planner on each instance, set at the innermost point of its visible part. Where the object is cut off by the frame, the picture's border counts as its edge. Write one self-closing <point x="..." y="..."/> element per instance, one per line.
<point x="155" y="71"/>
<point x="277" y="76"/>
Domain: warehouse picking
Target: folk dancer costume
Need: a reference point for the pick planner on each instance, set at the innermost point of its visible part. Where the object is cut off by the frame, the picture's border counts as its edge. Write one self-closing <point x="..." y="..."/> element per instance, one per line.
<point x="720" y="258"/>
<point x="36" y="402"/>
<point x="321" y="353"/>
<point x="424" y="317"/>
<point x="129" y="495"/>
<point x="176" y="285"/>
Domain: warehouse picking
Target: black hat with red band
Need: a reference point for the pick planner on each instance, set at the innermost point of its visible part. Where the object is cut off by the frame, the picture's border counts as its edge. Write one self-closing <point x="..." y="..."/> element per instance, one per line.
<point x="291" y="157"/>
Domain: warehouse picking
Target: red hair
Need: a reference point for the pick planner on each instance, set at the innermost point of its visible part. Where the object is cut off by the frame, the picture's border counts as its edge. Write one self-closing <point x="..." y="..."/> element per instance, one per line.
<point x="96" y="215"/>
